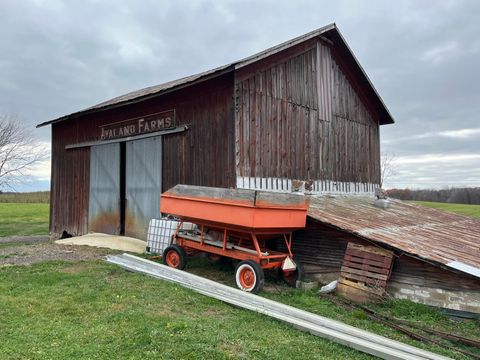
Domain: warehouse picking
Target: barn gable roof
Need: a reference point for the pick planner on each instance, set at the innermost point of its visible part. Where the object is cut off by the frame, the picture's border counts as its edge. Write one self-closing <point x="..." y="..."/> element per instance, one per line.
<point x="443" y="238"/>
<point x="329" y="32"/>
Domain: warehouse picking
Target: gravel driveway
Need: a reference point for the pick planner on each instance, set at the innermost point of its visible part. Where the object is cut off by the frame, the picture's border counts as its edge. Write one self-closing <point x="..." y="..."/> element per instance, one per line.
<point x="26" y="250"/>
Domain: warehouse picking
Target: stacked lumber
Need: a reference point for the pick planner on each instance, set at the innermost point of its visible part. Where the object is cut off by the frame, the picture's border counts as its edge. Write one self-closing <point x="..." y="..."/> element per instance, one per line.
<point x="364" y="273"/>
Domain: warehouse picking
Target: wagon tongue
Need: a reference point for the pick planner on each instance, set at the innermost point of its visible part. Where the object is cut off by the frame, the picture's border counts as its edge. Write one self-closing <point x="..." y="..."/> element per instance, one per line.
<point x="288" y="264"/>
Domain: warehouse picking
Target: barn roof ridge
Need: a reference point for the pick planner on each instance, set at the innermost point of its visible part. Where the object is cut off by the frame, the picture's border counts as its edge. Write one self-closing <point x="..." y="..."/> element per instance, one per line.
<point x="157" y="90"/>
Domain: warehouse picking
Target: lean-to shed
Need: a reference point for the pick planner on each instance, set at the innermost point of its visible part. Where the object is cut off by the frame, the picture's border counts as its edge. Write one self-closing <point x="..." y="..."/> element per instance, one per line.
<point x="435" y="254"/>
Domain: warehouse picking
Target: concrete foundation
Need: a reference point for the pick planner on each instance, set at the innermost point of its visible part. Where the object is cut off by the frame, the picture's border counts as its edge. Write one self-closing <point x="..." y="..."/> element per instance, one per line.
<point x="461" y="300"/>
<point x="113" y="242"/>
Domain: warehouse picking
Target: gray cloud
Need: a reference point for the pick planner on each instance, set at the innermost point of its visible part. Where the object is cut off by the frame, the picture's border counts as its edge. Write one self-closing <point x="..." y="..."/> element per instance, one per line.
<point x="61" y="56"/>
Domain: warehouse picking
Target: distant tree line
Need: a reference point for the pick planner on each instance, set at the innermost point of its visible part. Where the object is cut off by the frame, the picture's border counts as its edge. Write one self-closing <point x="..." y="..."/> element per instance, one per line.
<point x="452" y="195"/>
<point x="26" y="197"/>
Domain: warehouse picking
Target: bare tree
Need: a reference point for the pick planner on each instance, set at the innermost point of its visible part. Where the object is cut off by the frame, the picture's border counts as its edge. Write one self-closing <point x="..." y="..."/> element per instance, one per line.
<point x="19" y="152"/>
<point x="388" y="167"/>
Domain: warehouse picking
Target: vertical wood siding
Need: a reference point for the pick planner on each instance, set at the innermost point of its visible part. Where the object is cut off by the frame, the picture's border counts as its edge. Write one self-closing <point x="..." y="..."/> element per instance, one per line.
<point x="70" y="181"/>
<point x="323" y="249"/>
<point x="202" y="155"/>
<point x="319" y="245"/>
<point x="301" y="119"/>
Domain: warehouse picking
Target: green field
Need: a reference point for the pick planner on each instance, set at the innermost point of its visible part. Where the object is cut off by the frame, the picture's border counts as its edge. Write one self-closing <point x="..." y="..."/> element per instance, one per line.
<point x="90" y="309"/>
<point x="27" y="197"/>
<point x="23" y="219"/>
<point x="27" y="218"/>
<point x="462" y="209"/>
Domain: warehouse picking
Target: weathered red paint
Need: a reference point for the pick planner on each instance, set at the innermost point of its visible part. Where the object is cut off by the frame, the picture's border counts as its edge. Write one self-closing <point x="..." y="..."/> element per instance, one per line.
<point x="271" y="115"/>
<point x="203" y="155"/>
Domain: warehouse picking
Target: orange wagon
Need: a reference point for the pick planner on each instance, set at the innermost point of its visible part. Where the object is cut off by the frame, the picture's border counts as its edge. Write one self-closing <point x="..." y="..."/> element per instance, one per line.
<point x="236" y="224"/>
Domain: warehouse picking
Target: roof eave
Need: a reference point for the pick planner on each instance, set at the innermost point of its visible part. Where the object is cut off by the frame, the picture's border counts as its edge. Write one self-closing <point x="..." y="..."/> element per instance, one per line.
<point x="385" y="116"/>
<point x="221" y="71"/>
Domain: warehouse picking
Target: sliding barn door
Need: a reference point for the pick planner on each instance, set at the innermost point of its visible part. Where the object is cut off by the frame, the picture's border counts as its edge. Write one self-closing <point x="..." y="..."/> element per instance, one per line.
<point x="104" y="198"/>
<point x="143" y="182"/>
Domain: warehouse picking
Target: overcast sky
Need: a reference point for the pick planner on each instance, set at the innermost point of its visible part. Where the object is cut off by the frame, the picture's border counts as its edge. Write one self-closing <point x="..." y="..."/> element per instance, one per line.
<point x="57" y="57"/>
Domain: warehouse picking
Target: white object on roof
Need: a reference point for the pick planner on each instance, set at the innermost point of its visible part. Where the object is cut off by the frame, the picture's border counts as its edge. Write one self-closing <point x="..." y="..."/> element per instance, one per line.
<point x="465" y="268"/>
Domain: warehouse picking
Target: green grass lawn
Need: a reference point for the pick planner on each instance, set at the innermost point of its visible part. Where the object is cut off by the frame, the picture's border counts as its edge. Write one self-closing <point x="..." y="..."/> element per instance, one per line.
<point x="462" y="209"/>
<point x="95" y="310"/>
<point x="91" y="309"/>
<point x="23" y="219"/>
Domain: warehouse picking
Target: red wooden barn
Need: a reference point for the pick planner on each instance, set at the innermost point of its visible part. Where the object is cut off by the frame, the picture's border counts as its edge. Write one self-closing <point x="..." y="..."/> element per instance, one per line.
<point x="302" y="110"/>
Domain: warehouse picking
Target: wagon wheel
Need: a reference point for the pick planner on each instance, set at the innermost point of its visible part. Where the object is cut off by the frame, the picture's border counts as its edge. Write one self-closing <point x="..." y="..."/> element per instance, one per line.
<point x="291" y="276"/>
<point x="175" y="257"/>
<point x="249" y="276"/>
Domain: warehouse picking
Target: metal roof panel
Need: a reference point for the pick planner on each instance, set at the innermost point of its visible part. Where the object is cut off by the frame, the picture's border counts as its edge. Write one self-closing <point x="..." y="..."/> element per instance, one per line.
<point x="143" y="94"/>
<point x="446" y="238"/>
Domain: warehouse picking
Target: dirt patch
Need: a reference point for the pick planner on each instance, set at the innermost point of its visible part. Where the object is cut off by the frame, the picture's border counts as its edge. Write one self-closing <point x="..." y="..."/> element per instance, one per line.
<point x="112" y="276"/>
<point x="24" y="239"/>
<point x="17" y="254"/>
<point x="26" y="253"/>
<point x="76" y="268"/>
<point x="212" y="312"/>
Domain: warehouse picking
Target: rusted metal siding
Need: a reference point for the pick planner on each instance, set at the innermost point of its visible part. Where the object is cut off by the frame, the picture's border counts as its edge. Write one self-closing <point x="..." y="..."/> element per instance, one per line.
<point x="143" y="185"/>
<point x="301" y="118"/>
<point x="104" y="194"/>
<point x="202" y="155"/>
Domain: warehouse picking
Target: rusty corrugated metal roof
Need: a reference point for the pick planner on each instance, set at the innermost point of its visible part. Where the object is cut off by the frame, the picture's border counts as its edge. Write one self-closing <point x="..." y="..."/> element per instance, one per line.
<point x="159" y="88"/>
<point x="433" y="235"/>
<point x="142" y="94"/>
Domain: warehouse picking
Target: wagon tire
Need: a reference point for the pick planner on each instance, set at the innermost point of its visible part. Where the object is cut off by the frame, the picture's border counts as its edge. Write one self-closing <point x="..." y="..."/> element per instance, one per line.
<point x="175" y="256"/>
<point x="249" y="276"/>
<point x="291" y="277"/>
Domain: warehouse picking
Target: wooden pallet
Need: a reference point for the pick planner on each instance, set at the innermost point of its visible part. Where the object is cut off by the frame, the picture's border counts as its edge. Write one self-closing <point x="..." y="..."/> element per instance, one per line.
<point x="364" y="273"/>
